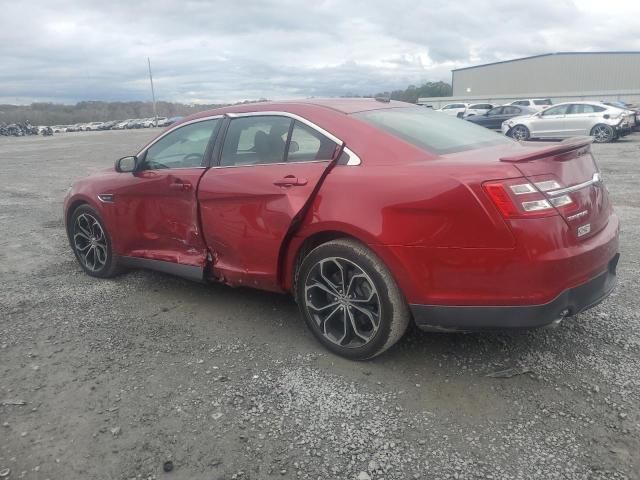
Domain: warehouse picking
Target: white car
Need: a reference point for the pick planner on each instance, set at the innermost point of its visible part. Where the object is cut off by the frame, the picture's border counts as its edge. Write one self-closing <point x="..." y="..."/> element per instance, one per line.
<point x="603" y="122"/>
<point x="456" y="109"/>
<point x="538" y="104"/>
<point x="93" y="126"/>
<point x="477" y="109"/>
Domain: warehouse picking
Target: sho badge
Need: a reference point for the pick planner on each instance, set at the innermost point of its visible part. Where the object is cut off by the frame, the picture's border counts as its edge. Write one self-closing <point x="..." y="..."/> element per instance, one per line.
<point x="584" y="229"/>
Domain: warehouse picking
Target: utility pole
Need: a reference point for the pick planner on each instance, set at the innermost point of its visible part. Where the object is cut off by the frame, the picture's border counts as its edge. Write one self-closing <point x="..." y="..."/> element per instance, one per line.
<point x="153" y="95"/>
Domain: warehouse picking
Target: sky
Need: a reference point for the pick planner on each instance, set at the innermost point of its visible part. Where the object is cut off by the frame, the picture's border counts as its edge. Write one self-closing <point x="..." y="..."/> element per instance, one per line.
<point x="210" y="51"/>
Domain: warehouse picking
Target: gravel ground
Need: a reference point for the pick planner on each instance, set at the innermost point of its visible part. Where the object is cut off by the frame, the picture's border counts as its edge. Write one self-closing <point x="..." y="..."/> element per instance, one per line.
<point x="113" y="378"/>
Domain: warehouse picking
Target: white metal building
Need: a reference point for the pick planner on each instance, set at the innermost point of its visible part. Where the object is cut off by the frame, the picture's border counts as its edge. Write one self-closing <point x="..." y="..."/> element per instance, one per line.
<point x="560" y="76"/>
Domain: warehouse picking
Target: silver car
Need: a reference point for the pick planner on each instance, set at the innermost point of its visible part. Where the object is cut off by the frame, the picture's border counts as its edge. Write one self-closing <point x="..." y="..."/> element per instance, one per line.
<point x="603" y="122"/>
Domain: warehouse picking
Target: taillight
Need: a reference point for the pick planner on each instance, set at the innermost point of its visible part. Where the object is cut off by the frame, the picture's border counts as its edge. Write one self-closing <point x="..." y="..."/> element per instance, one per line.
<point x="519" y="198"/>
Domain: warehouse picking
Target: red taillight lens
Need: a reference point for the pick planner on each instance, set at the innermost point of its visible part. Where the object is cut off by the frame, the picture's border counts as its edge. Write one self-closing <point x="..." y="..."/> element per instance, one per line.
<point x="526" y="198"/>
<point x="498" y="193"/>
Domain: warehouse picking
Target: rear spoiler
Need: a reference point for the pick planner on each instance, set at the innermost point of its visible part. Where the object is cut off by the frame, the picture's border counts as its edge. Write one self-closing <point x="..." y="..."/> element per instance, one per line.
<point x="565" y="146"/>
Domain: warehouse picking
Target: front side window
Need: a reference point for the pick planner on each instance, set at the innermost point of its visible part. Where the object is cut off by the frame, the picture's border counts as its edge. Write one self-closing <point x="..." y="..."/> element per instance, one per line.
<point x="523" y="103"/>
<point x="308" y="145"/>
<point x="432" y="131"/>
<point x="184" y="147"/>
<point x="255" y="140"/>
<point x="511" y="110"/>
<point x="542" y="101"/>
<point x="559" y="110"/>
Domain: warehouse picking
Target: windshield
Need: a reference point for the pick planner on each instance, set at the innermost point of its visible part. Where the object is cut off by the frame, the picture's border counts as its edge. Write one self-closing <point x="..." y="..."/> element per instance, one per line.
<point x="432" y="131"/>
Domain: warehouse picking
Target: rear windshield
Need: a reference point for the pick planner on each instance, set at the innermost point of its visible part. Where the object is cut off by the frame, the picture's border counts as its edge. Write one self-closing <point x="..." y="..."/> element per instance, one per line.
<point x="545" y="101"/>
<point x="432" y="131"/>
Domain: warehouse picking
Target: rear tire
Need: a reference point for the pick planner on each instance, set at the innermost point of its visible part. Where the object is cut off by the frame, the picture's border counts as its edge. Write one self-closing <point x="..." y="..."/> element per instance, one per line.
<point x="520" y="133"/>
<point x="602" y="133"/>
<point x="349" y="300"/>
<point x="91" y="243"/>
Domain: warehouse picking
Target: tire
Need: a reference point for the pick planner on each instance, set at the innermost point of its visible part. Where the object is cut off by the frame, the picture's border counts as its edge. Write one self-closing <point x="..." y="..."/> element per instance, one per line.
<point x="91" y="243"/>
<point x="603" y="133"/>
<point x="361" y="320"/>
<point x="520" y="133"/>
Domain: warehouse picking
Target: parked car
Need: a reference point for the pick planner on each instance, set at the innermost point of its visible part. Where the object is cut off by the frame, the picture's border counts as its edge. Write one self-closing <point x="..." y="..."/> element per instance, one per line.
<point x="538" y="104"/>
<point x="93" y="126"/>
<point x="148" y="122"/>
<point x="162" y="122"/>
<point x="107" y="125"/>
<point x="476" y="109"/>
<point x="60" y="128"/>
<point x="121" y="125"/>
<point x="494" y="118"/>
<point x="134" y="123"/>
<point x="455" y="109"/>
<point x="603" y="122"/>
<point x="373" y="215"/>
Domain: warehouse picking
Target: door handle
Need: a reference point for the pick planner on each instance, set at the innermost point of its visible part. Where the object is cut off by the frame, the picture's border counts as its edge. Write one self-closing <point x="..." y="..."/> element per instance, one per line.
<point x="180" y="185"/>
<point x="290" y="181"/>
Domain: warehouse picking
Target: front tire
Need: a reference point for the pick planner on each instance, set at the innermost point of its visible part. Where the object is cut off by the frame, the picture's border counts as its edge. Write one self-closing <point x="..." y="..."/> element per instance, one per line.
<point x="520" y="133"/>
<point x="91" y="243"/>
<point x="349" y="300"/>
<point x="602" y="133"/>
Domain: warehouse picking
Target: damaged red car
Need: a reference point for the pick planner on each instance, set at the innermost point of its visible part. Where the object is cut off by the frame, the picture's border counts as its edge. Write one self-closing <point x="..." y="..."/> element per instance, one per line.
<point x="371" y="214"/>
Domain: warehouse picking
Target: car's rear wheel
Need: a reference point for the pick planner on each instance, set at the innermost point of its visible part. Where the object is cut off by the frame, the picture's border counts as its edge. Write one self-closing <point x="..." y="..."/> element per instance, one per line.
<point x="603" y="133"/>
<point x="349" y="300"/>
<point x="520" y="132"/>
<point x="91" y="243"/>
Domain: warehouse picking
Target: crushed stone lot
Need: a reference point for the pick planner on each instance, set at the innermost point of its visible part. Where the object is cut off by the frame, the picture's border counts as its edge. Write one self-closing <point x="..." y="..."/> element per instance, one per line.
<point x="110" y="379"/>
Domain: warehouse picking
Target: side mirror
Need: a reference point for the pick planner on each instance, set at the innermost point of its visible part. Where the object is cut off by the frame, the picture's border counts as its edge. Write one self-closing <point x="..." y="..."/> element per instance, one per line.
<point x="127" y="164"/>
<point x="293" y="146"/>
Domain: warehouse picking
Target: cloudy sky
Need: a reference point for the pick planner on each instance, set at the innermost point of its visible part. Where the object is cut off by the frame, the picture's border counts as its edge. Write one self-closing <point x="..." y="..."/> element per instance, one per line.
<point x="223" y="50"/>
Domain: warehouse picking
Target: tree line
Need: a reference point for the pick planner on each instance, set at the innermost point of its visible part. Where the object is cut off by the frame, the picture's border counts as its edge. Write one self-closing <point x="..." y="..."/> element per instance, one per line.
<point x="43" y="113"/>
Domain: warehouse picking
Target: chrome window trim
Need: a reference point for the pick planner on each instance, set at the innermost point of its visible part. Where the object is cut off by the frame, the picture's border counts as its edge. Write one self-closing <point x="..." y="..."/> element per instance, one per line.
<point x="595" y="180"/>
<point x="173" y="129"/>
<point x="353" y="158"/>
<point x="268" y="164"/>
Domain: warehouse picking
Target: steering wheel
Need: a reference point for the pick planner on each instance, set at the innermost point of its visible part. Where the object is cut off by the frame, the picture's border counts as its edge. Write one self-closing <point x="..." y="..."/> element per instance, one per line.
<point x="187" y="160"/>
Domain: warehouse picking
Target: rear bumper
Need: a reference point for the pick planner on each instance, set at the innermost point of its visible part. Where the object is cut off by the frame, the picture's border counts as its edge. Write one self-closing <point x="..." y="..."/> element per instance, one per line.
<point x="469" y="318"/>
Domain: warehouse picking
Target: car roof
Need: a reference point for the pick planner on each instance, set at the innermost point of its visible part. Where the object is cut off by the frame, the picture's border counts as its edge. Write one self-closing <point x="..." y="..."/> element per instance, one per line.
<point x="342" y="105"/>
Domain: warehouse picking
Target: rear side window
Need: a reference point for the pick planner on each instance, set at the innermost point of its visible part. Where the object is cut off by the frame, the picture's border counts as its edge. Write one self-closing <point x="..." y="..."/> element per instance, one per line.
<point x="482" y="106"/>
<point x="524" y="103"/>
<point x="544" y="101"/>
<point x="432" y="131"/>
<point x="255" y="140"/>
<point x="585" y="108"/>
<point x="307" y="145"/>
<point x="511" y="110"/>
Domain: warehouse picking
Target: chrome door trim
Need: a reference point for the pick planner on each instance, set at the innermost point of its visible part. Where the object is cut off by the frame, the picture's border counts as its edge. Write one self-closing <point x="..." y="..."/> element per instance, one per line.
<point x="173" y="129"/>
<point x="595" y="180"/>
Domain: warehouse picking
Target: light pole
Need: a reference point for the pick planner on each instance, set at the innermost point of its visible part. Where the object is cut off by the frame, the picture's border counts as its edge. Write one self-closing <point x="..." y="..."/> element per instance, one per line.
<point x="153" y="96"/>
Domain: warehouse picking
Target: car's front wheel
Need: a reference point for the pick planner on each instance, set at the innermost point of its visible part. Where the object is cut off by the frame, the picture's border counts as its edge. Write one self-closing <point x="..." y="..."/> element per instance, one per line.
<point x="349" y="300"/>
<point x="91" y="243"/>
<point x="603" y="133"/>
<point x="520" y="132"/>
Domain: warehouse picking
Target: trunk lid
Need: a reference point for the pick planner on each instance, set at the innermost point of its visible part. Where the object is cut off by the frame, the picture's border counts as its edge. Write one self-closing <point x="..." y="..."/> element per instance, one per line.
<point x="571" y="164"/>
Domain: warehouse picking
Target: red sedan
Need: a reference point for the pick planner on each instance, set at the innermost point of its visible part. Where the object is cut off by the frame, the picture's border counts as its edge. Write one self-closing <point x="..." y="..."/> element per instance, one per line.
<point x="371" y="214"/>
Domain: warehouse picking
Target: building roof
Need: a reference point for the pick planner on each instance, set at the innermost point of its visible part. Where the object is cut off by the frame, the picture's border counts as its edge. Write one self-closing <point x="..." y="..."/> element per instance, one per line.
<point x="546" y="55"/>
